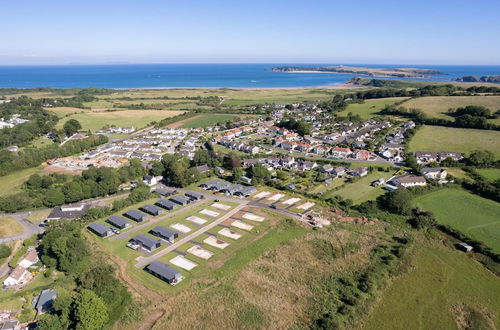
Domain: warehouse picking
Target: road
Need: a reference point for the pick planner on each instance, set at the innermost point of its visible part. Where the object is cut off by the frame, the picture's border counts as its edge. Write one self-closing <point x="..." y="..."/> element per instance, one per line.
<point x="143" y="261"/>
<point x="30" y="229"/>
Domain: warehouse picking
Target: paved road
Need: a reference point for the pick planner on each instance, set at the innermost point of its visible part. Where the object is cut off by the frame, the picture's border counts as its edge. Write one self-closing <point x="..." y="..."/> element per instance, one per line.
<point x="143" y="261"/>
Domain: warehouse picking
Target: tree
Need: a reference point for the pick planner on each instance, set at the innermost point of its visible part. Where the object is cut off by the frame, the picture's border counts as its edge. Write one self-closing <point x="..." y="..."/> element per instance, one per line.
<point x="54" y="197"/>
<point x="259" y="173"/>
<point x="90" y="311"/>
<point x="237" y="174"/>
<point x="71" y="127"/>
<point x="231" y="161"/>
<point x="481" y="158"/>
<point x="422" y="219"/>
<point x="398" y="201"/>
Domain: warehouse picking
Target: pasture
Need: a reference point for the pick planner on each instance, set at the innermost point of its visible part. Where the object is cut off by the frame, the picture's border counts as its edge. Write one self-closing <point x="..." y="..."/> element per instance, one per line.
<point x="439" y="288"/>
<point x="12" y="183"/>
<point x="96" y="120"/>
<point x="474" y="216"/>
<point x="361" y="190"/>
<point x="437" y="106"/>
<point x="9" y="227"/>
<point x="492" y="174"/>
<point x="370" y="108"/>
<point x="205" y="120"/>
<point x="465" y="140"/>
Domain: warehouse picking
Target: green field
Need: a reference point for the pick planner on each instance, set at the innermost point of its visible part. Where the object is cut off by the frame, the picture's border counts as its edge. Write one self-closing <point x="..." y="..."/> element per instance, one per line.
<point x="361" y="190"/>
<point x="206" y="120"/>
<point x="96" y="120"/>
<point x="438" y="138"/>
<point x="439" y="286"/>
<point x="369" y="108"/>
<point x="492" y="174"/>
<point x="437" y="106"/>
<point x="9" y="227"/>
<point x="474" y="216"/>
<point x="11" y="183"/>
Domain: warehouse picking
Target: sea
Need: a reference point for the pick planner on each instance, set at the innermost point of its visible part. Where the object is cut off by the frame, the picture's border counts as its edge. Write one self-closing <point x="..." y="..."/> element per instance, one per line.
<point x="121" y="76"/>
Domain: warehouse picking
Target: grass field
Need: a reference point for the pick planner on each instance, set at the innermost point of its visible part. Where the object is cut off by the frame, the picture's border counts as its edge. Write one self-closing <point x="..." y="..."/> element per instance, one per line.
<point x="9" y="227"/>
<point x="63" y="111"/>
<point x="491" y="174"/>
<point x="440" y="287"/>
<point x="438" y="138"/>
<point x="361" y="190"/>
<point x="474" y="216"/>
<point x="370" y="108"/>
<point x="207" y="120"/>
<point x="138" y="118"/>
<point x="11" y="183"/>
<point x="437" y="106"/>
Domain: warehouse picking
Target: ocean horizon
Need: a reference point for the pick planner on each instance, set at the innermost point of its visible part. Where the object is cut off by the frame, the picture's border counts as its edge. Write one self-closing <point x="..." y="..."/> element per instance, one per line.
<point x="163" y="76"/>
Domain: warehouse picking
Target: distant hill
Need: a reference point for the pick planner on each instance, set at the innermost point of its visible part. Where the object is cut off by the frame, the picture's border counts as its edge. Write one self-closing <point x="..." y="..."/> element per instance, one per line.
<point x="372" y="72"/>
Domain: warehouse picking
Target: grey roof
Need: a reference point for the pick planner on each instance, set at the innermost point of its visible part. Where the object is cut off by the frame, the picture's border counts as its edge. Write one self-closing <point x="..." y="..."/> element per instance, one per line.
<point x="99" y="228"/>
<point x="165" y="192"/>
<point x="233" y="188"/>
<point x="163" y="232"/>
<point x="118" y="221"/>
<point x="135" y="215"/>
<point x="146" y="241"/>
<point x="58" y="213"/>
<point x="166" y="204"/>
<point x="194" y="194"/>
<point x="179" y="200"/>
<point x="45" y="299"/>
<point x="150" y="209"/>
<point x="163" y="270"/>
<point x="247" y="190"/>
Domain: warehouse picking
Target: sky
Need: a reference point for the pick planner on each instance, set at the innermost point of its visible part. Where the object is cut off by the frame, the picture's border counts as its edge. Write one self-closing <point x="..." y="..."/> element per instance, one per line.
<point x="256" y="31"/>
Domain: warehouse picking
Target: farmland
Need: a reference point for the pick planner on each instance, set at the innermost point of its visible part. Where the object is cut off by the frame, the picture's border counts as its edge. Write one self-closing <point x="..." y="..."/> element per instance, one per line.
<point x="437" y="138"/>
<point x="361" y="190"/>
<point x="492" y="174"/>
<point x="474" y="216"/>
<point x="440" y="289"/>
<point x="95" y="120"/>
<point x="370" y="108"/>
<point x="206" y="120"/>
<point x="437" y="106"/>
<point x="11" y="183"/>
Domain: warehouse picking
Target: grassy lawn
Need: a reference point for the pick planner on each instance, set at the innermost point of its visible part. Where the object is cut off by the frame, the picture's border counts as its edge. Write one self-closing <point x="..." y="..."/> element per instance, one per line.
<point x="9" y="227"/>
<point x="431" y="294"/>
<point x="37" y="217"/>
<point x="491" y="174"/>
<point x="361" y="190"/>
<point x="11" y="183"/>
<point x="370" y="108"/>
<point x="474" y="216"/>
<point x="138" y="118"/>
<point x="63" y="111"/>
<point x="438" y="138"/>
<point x="207" y="120"/>
<point x="457" y="172"/>
<point x="437" y="106"/>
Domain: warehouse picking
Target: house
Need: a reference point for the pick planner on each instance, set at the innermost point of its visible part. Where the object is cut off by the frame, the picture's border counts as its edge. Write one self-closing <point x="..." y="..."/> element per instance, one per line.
<point x="434" y="173"/>
<point x="378" y="182"/>
<point x="165" y="192"/>
<point x="72" y="211"/>
<point x="45" y="300"/>
<point x="118" y="222"/>
<point x="150" y="180"/>
<point x="361" y="154"/>
<point x="203" y="168"/>
<point x="16" y="277"/>
<point x="99" y="229"/>
<point x="145" y="242"/>
<point x="135" y="215"/>
<point x="193" y="195"/>
<point x="464" y="247"/>
<point x="339" y="152"/>
<point x="150" y="209"/>
<point x="328" y="168"/>
<point x="164" y="272"/>
<point x="359" y="171"/>
<point x="246" y="191"/>
<point x="29" y="259"/>
<point x="319" y="149"/>
<point x="452" y="155"/>
<point x="164" y="233"/>
<point x="181" y="200"/>
<point x="166" y="204"/>
<point x="232" y="189"/>
<point x="11" y="325"/>
<point x="407" y="181"/>
<point x="425" y="157"/>
<point x="338" y="171"/>
<point x="306" y="165"/>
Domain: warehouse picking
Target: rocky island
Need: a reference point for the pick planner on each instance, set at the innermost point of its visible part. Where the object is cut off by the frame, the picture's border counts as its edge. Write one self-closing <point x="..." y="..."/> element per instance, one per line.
<point x="372" y="72"/>
<point x="487" y="79"/>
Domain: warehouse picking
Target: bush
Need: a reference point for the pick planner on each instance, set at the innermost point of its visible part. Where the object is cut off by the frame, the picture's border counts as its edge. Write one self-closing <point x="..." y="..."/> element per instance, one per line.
<point x="5" y="251"/>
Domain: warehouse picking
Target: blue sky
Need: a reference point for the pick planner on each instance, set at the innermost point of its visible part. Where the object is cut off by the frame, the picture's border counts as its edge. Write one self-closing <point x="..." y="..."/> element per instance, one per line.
<point x="182" y="31"/>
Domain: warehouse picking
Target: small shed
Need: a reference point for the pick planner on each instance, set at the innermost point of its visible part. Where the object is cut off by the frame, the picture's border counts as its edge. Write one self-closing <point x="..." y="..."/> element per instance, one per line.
<point x="99" y="229"/>
<point x="464" y="247"/>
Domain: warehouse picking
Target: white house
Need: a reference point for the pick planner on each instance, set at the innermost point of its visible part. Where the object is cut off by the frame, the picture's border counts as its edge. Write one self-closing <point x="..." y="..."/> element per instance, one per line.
<point x="434" y="173"/>
<point x="407" y="181"/>
<point x="16" y="277"/>
<point x="29" y="259"/>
